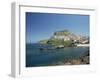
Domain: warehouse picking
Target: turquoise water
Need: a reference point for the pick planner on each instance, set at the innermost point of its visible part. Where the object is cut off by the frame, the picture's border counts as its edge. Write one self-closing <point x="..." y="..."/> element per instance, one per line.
<point x="36" y="57"/>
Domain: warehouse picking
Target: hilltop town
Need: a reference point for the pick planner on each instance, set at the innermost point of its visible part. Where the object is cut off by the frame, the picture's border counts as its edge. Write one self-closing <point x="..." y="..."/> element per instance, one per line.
<point x="66" y="38"/>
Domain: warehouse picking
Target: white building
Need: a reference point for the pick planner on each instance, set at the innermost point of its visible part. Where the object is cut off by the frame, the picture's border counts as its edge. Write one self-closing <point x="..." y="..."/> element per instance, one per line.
<point x="65" y="38"/>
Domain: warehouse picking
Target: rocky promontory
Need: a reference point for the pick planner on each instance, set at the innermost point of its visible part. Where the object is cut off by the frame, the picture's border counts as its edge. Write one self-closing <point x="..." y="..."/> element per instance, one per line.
<point x="65" y="38"/>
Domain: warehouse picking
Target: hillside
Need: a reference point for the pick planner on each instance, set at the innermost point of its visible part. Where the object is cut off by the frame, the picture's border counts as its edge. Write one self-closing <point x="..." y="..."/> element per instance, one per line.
<point x="64" y="38"/>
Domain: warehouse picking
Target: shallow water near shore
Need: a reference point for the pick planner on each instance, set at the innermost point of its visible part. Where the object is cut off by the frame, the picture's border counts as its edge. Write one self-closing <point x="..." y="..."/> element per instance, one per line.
<point x="36" y="57"/>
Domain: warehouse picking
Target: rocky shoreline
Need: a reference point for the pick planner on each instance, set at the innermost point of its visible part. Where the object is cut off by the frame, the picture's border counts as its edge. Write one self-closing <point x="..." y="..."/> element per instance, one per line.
<point x="80" y="61"/>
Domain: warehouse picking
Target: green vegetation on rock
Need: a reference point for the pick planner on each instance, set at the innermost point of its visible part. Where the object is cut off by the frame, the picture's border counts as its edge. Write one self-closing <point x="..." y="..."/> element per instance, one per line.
<point x="57" y="42"/>
<point x="43" y="41"/>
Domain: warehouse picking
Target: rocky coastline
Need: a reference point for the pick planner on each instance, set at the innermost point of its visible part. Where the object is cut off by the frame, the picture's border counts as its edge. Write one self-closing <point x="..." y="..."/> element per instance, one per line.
<point x="79" y="61"/>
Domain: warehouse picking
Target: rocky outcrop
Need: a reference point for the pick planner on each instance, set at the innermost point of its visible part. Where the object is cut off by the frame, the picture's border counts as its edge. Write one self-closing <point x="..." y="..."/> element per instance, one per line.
<point x="65" y="38"/>
<point x="79" y="61"/>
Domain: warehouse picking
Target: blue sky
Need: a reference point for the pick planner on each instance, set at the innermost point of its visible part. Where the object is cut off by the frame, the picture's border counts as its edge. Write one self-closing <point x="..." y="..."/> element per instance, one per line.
<point x="41" y="26"/>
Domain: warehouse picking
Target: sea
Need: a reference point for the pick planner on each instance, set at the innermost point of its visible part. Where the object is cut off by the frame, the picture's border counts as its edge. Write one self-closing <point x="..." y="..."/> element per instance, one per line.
<point x="35" y="57"/>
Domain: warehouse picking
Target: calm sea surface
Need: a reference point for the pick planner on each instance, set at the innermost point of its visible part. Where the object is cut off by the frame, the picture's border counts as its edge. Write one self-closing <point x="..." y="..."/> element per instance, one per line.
<point x="37" y="57"/>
